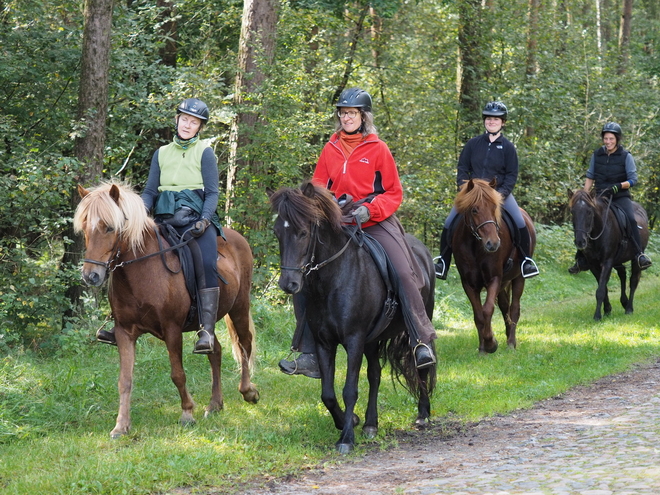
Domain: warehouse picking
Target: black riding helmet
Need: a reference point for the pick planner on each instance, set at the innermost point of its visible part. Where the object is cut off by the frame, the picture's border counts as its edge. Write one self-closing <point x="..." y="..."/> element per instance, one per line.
<point x="195" y="107"/>
<point x="614" y="128"/>
<point x="355" y="98"/>
<point x="495" y="109"/>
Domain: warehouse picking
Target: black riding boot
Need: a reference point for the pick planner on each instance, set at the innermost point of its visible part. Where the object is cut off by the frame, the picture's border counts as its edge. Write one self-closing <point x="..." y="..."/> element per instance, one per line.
<point x="106" y="336"/>
<point x="528" y="266"/>
<point x="581" y="264"/>
<point x="640" y="258"/>
<point x="442" y="262"/>
<point x="208" y="300"/>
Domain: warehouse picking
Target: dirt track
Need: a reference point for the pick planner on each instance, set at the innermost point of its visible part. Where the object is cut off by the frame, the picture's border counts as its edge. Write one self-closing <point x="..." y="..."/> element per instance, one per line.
<point x="596" y="440"/>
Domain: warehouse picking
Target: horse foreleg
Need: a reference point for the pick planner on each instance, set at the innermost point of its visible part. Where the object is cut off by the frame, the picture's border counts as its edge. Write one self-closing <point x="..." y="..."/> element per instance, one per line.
<point x="516" y="291"/>
<point x="374" y="369"/>
<point x="326" y="357"/>
<point x="215" y="361"/>
<point x="126" y="346"/>
<point x="354" y="351"/>
<point x="178" y="375"/>
<point x="601" y="292"/>
<point x="621" y="272"/>
<point x="474" y="295"/>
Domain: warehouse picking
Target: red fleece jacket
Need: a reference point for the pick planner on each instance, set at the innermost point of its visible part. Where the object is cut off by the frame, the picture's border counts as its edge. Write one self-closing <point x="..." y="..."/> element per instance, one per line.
<point x="368" y="171"/>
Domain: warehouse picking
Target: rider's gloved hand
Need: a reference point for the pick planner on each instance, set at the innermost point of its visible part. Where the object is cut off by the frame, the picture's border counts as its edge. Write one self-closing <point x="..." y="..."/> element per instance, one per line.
<point x="200" y="227"/>
<point x="362" y="214"/>
<point x="615" y="188"/>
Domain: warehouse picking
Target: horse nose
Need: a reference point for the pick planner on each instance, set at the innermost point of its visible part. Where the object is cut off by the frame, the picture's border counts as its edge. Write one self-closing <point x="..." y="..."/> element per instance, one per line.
<point x="580" y="243"/>
<point x="92" y="278"/>
<point x="492" y="246"/>
<point x="289" y="286"/>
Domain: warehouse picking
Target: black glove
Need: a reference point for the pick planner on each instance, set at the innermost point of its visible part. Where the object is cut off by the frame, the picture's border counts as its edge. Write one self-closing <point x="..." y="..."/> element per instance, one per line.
<point x="615" y="188"/>
<point x="200" y="227"/>
<point x="362" y="214"/>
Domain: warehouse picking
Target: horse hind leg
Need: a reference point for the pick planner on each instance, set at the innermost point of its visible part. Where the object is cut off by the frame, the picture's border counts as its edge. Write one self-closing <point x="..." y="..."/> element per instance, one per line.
<point x="621" y="272"/>
<point x="242" y="333"/>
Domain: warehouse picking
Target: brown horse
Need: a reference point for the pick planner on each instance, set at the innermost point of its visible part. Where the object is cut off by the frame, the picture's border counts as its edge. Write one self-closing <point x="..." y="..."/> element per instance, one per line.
<point x="486" y="257"/>
<point x="147" y="292"/>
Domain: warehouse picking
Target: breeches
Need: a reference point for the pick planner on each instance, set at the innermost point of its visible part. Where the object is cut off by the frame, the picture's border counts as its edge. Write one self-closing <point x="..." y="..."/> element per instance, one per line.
<point x="208" y="245"/>
<point x="510" y="205"/>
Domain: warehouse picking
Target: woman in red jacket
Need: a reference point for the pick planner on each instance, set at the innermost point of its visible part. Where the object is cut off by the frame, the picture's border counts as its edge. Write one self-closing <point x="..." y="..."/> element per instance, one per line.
<point x="356" y="162"/>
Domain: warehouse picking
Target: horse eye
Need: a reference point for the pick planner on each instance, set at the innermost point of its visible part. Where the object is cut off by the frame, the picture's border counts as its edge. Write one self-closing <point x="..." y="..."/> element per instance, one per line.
<point x="475" y="211"/>
<point x="109" y="229"/>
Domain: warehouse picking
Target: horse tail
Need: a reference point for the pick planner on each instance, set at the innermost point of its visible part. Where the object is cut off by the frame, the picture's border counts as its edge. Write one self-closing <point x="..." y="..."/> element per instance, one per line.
<point x="399" y="354"/>
<point x="239" y="352"/>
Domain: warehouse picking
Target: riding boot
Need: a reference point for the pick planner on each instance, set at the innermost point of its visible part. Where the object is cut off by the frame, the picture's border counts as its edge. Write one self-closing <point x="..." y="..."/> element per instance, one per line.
<point x="303" y="342"/>
<point x="581" y="264"/>
<point x="642" y="259"/>
<point x="442" y="262"/>
<point x="106" y="336"/>
<point x="528" y="267"/>
<point x="208" y="301"/>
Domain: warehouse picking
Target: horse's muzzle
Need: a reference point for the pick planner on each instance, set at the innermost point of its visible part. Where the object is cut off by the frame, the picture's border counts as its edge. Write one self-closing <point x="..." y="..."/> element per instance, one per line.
<point x="93" y="277"/>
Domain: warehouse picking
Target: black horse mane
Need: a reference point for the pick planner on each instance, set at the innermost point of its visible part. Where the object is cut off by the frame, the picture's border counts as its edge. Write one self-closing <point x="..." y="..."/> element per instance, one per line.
<point x="309" y="204"/>
<point x="582" y="195"/>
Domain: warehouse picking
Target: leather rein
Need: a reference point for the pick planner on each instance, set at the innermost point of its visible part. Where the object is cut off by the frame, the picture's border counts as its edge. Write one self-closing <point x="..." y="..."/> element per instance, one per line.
<point x="310" y="267"/>
<point x="109" y="267"/>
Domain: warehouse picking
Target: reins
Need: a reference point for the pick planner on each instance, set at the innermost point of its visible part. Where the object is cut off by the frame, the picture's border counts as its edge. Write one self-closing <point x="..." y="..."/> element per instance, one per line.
<point x="604" y="220"/>
<point x="308" y="267"/>
<point x="475" y="230"/>
<point x="107" y="264"/>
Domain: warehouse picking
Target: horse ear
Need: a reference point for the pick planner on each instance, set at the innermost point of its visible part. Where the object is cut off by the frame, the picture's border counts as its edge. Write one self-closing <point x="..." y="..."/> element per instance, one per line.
<point x="308" y="189"/>
<point x="82" y="191"/>
<point x="469" y="186"/>
<point x="493" y="183"/>
<point x="269" y="192"/>
<point x="114" y="193"/>
<point x="570" y="192"/>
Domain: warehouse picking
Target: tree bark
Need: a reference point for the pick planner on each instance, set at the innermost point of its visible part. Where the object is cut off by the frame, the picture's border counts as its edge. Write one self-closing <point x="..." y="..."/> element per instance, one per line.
<point x="255" y="52"/>
<point x="531" y="65"/>
<point x="92" y="111"/>
<point x="624" y="36"/>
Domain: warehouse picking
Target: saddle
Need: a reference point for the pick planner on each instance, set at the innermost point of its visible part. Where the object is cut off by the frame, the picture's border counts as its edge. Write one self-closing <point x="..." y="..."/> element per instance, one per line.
<point x="190" y="257"/>
<point x="381" y="260"/>
<point x="622" y="220"/>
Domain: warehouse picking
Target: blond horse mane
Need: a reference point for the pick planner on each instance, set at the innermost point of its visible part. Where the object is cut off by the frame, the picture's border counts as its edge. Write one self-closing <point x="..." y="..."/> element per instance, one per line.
<point x="127" y="215"/>
<point x="480" y="193"/>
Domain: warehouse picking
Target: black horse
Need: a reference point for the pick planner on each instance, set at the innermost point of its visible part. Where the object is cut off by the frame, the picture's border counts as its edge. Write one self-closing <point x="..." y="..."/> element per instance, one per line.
<point x="601" y="239"/>
<point x="345" y="297"/>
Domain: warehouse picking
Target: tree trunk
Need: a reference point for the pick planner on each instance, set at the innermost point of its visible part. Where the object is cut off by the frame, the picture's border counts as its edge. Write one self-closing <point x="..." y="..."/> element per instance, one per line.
<point x="92" y="111"/>
<point x="473" y="64"/>
<point x="531" y="65"/>
<point x="624" y="36"/>
<point x="256" y="46"/>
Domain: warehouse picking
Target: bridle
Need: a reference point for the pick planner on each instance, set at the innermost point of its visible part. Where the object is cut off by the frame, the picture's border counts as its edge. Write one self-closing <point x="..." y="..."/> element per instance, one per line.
<point x="591" y="224"/>
<point x="475" y="229"/>
<point x="109" y="267"/>
<point x="310" y="267"/>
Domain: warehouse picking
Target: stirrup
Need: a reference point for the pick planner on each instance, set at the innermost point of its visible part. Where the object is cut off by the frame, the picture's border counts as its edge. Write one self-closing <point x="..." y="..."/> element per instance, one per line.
<point x="440" y="267"/>
<point x="533" y="272"/>
<point x="205" y="350"/>
<point x="431" y="353"/>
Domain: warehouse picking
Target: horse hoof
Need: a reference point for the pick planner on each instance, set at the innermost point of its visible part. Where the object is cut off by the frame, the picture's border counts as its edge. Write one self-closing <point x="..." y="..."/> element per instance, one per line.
<point x="344" y="448"/>
<point x="116" y="434"/>
<point x="252" y="396"/>
<point x="422" y="422"/>
<point x="511" y="347"/>
<point x="370" y="432"/>
<point x="186" y="423"/>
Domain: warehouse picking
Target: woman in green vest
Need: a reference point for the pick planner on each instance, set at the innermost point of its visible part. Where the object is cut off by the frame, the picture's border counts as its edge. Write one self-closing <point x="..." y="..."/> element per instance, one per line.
<point x="182" y="190"/>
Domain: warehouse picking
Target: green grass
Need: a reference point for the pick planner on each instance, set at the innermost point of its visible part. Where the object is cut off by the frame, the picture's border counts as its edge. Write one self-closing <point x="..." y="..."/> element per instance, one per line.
<point x="56" y="413"/>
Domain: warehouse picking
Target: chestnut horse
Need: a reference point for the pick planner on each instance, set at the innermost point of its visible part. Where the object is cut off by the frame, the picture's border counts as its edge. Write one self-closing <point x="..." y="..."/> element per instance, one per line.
<point x="599" y="237"/>
<point x="345" y="296"/>
<point x="147" y="292"/>
<point x="486" y="257"/>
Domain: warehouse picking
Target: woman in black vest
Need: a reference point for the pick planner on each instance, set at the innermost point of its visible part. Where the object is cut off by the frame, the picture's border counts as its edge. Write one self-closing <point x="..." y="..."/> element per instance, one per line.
<point x="613" y="172"/>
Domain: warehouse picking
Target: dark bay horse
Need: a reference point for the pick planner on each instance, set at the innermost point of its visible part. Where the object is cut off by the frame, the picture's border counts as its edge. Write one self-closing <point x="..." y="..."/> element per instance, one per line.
<point x="487" y="258"/>
<point x="600" y="238"/>
<point x="148" y="294"/>
<point x="345" y="299"/>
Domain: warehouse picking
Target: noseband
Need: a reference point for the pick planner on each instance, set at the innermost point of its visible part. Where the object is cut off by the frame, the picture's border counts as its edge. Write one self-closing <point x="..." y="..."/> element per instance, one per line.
<point x="475" y="229"/>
